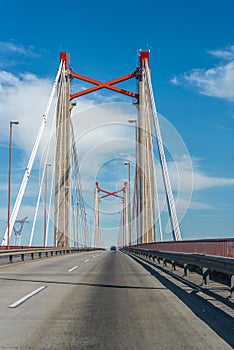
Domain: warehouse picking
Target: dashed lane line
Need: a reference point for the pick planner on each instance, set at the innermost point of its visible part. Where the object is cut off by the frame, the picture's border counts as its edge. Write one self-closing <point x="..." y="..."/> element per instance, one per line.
<point x="26" y="297"/>
<point x="73" y="268"/>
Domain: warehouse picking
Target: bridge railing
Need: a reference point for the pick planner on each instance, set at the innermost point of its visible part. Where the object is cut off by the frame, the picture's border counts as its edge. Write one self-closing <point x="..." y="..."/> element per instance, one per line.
<point x="206" y="263"/>
<point x="220" y="247"/>
<point x="40" y="252"/>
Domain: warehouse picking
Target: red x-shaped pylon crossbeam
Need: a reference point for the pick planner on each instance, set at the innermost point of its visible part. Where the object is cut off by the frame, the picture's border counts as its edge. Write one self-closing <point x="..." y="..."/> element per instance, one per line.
<point x="101" y="85"/>
<point x="108" y="194"/>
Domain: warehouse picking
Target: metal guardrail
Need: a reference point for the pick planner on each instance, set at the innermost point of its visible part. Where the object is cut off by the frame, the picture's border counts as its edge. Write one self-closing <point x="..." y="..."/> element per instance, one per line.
<point x="39" y="252"/>
<point x="206" y="263"/>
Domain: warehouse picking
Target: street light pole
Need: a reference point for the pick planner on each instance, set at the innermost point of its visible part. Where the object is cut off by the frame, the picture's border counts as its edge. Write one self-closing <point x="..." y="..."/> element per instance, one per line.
<point x="124" y="227"/>
<point x="128" y="218"/>
<point x="45" y="205"/>
<point x="85" y="230"/>
<point x="129" y="204"/>
<point x="77" y="223"/>
<point x="15" y="122"/>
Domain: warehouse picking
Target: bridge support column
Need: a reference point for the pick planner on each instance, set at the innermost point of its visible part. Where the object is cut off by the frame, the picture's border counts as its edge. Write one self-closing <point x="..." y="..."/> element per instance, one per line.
<point x="62" y="171"/>
<point x="146" y="166"/>
<point x="205" y="276"/>
<point x="186" y="270"/>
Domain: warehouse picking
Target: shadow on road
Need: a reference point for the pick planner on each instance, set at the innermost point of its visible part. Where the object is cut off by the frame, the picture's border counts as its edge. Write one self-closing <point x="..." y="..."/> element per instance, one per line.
<point x="216" y="319"/>
<point x="102" y="285"/>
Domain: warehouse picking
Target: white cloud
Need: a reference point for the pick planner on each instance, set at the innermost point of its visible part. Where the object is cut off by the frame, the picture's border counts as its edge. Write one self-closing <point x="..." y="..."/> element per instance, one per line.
<point x="22" y="97"/>
<point x="175" y="81"/>
<point x="10" y="47"/>
<point x="215" y="82"/>
<point x="180" y="171"/>
<point x="187" y="180"/>
<point x="202" y="182"/>
<point x="226" y="54"/>
<point x="193" y="205"/>
<point x="12" y="54"/>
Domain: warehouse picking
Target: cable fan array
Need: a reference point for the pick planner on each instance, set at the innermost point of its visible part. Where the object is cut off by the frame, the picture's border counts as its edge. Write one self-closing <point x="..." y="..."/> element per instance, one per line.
<point x="48" y="151"/>
<point x="145" y="207"/>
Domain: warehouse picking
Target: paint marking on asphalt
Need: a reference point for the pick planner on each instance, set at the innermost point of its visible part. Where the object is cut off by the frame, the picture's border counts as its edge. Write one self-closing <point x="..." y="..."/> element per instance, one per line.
<point x="94" y="256"/>
<point x="73" y="268"/>
<point x="26" y="297"/>
<point x="87" y="260"/>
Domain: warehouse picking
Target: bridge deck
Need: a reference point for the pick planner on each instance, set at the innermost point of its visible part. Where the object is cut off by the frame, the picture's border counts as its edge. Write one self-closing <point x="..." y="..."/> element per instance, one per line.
<point x="105" y="300"/>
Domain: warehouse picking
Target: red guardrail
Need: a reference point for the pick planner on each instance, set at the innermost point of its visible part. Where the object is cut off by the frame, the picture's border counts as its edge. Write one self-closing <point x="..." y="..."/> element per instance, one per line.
<point x="221" y="247"/>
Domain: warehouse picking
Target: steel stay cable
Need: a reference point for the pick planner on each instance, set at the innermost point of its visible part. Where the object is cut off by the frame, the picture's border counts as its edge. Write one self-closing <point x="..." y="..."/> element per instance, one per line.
<point x="154" y="179"/>
<point x="41" y="183"/>
<point x="171" y="203"/>
<point x="31" y="159"/>
<point x="142" y="160"/>
<point x="158" y="207"/>
<point x="80" y="195"/>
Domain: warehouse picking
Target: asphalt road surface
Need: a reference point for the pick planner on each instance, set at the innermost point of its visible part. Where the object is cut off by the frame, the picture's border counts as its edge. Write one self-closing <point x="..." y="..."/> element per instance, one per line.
<point x="101" y="300"/>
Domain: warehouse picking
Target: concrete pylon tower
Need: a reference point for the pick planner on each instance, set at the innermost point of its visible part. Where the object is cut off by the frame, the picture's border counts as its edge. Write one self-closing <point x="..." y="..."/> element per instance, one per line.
<point x="62" y="170"/>
<point x="146" y="162"/>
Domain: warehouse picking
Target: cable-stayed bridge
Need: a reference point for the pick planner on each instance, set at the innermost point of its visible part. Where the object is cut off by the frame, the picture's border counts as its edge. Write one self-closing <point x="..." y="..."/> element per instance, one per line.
<point x="144" y="294"/>
<point x="63" y="198"/>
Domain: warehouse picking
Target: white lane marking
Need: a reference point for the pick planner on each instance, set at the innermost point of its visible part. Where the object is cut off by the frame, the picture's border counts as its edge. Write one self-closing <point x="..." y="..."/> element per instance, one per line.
<point x="87" y="260"/>
<point x="26" y="297"/>
<point x="73" y="268"/>
<point x="94" y="256"/>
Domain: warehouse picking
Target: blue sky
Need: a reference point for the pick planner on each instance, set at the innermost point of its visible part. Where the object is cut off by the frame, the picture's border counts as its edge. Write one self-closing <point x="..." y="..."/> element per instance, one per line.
<point x="192" y="61"/>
